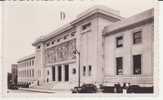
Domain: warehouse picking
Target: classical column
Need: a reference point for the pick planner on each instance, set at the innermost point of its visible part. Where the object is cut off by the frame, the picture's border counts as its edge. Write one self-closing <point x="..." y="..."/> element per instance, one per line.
<point x="63" y="73"/>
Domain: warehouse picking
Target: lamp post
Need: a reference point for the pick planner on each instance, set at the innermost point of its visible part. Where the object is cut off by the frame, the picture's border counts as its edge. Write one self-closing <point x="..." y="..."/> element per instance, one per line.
<point x="77" y="52"/>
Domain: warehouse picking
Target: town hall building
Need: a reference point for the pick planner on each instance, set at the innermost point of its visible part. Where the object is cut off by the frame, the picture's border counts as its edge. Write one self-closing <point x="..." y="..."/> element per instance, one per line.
<point x="98" y="47"/>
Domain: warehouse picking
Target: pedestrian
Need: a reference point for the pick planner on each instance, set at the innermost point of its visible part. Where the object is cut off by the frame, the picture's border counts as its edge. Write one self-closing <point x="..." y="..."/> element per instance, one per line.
<point x="119" y="89"/>
<point x="124" y="88"/>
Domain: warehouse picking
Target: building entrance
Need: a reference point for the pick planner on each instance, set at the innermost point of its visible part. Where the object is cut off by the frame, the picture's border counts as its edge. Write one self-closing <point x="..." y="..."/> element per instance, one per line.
<point x="53" y="73"/>
<point x="66" y="72"/>
<point x="59" y="73"/>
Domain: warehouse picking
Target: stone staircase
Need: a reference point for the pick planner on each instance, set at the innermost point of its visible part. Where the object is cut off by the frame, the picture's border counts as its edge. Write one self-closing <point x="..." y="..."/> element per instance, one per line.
<point x="55" y="86"/>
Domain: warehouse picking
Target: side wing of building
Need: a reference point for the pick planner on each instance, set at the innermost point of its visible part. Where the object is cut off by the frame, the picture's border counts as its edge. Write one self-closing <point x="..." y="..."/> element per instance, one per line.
<point x="128" y="50"/>
<point x="26" y="70"/>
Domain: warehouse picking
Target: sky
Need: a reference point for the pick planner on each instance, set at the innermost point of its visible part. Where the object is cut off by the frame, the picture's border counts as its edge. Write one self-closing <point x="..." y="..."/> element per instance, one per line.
<point x="23" y="22"/>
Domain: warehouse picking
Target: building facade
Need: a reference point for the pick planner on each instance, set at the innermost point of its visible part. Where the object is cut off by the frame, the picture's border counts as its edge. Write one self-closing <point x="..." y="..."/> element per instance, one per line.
<point x="110" y="49"/>
<point x="26" y="70"/>
<point x="128" y="50"/>
<point x="9" y="80"/>
<point x="14" y="72"/>
<point x="54" y="52"/>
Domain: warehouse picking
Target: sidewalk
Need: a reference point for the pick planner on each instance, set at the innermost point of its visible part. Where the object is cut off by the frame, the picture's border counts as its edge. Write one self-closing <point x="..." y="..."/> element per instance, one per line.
<point x="37" y="90"/>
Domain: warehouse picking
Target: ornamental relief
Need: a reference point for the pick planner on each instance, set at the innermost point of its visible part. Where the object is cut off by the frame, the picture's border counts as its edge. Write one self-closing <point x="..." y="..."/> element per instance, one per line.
<point x="61" y="52"/>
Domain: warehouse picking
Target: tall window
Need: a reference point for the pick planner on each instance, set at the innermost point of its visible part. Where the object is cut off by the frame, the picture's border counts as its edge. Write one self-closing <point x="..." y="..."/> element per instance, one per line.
<point x="33" y="72"/>
<point x="137" y="64"/>
<point x="89" y="70"/>
<point x="137" y="37"/>
<point x="30" y="73"/>
<point x="119" y="65"/>
<point x="32" y="62"/>
<point x="119" y="41"/>
<point x="27" y="73"/>
<point x="84" y="70"/>
<point x="53" y="73"/>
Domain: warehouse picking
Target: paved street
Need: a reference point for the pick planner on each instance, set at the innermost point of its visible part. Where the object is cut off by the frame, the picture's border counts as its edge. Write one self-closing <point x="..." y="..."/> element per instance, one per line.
<point x="24" y="91"/>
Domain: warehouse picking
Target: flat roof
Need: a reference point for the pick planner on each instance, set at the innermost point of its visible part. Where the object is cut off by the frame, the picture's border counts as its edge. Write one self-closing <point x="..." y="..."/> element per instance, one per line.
<point x="141" y="17"/>
<point x="26" y="58"/>
<point x="96" y="9"/>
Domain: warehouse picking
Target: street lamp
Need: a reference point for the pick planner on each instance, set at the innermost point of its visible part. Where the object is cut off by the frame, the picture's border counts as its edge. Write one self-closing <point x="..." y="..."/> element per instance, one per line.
<point x="77" y="52"/>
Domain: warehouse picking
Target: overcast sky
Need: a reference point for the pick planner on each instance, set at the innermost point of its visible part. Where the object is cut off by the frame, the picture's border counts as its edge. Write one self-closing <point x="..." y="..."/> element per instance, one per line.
<point x="26" y="21"/>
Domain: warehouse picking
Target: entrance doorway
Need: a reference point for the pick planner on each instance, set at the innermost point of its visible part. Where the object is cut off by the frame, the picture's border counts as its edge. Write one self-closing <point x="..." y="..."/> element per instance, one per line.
<point x="59" y="73"/>
<point x="66" y="72"/>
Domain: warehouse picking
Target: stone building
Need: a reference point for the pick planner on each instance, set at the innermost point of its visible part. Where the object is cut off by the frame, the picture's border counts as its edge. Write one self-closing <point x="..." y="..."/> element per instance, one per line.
<point x="14" y="72"/>
<point x="112" y="49"/>
<point x="128" y="50"/>
<point x="9" y="80"/>
<point x="26" y="69"/>
<point x="54" y="52"/>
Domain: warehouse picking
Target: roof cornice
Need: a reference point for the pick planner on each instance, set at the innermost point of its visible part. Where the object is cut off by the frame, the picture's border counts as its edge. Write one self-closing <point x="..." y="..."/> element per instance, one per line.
<point x="26" y="58"/>
<point x="96" y="11"/>
<point x="90" y="12"/>
<point x="141" y="17"/>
